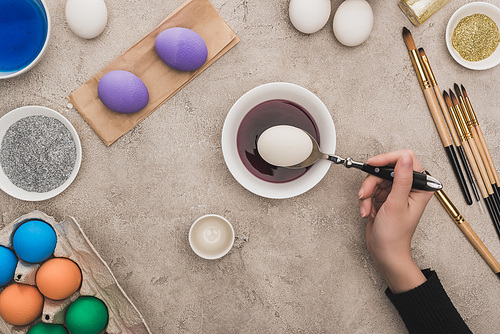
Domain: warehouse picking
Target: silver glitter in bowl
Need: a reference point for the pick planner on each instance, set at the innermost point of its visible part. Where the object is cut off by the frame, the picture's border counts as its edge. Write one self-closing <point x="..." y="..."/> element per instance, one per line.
<point x="38" y="153"/>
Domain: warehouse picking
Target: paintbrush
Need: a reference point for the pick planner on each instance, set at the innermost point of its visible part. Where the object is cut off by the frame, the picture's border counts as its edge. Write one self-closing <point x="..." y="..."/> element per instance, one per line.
<point x="480" y="141"/>
<point x="490" y="199"/>
<point x="447" y="117"/>
<point x="436" y="113"/>
<point x="465" y="136"/>
<point x="471" y="124"/>
<point x="468" y="231"/>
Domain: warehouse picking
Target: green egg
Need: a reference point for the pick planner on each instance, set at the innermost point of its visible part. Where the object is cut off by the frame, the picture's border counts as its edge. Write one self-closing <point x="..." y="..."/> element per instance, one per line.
<point x="87" y="315"/>
<point x="43" y="328"/>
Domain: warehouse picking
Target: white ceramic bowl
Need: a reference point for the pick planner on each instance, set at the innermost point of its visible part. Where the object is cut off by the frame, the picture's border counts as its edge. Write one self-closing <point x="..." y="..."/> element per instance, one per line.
<point x="493" y="12"/>
<point x="10" y="118"/>
<point x="273" y="91"/>
<point x="6" y="75"/>
<point x="211" y="236"/>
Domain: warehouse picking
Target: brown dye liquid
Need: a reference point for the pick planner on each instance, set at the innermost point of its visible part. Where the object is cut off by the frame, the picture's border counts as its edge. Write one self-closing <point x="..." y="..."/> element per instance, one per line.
<point x="258" y="120"/>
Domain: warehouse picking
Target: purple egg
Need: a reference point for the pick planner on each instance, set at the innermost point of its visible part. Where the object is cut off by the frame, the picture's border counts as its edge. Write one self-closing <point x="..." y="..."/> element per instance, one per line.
<point x="181" y="48"/>
<point x="123" y="92"/>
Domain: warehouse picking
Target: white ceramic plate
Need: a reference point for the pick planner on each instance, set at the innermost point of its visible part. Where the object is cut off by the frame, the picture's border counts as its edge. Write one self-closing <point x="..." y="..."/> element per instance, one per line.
<point x="15" y="115"/>
<point x="273" y="91"/>
<point x="493" y="12"/>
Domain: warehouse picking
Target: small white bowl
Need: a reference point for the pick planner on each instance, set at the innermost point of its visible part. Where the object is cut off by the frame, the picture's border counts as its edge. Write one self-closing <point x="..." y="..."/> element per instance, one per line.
<point x="6" y="75"/>
<point x="277" y="91"/>
<point x="211" y="236"/>
<point x="12" y="117"/>
<point x="493" y="12"/>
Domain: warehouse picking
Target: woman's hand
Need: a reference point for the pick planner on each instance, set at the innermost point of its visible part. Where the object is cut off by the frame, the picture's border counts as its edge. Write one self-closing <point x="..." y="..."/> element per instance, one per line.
<point x="393" y="211"/>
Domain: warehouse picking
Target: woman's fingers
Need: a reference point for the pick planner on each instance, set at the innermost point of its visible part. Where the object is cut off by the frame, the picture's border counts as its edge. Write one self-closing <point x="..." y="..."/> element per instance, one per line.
<point x="390" y="159"/>
<point x="419" y="197"/>
<point x="373" y="192"/>
<point x="403" y="178"/>
<point x="370" y="185"/>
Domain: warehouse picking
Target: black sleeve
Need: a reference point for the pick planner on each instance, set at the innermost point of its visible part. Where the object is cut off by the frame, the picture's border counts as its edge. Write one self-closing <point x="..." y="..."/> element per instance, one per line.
<point x="428" y="309"/>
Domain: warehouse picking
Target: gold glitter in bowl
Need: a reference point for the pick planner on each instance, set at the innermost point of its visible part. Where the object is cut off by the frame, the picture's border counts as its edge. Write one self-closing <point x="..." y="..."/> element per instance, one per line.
<point x="473" y="36"/>
<point x="476" y="37"/>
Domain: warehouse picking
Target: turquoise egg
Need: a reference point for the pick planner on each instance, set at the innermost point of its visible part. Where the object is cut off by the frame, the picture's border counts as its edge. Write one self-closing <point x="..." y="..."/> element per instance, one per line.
<point x="8" y="264"/>
<point x="43" y="328"/>
<point x="87" y="315"/>
<point x="34" y="241"/>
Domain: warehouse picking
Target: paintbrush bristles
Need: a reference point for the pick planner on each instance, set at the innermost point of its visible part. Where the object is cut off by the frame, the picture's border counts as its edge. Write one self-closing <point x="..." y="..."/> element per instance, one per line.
<point x="453" y="98"/>
<point x="447" y="99"/>
<point x="457" y="90"/>
<point x="410" y="44"/>
<point x="464" y="91"/>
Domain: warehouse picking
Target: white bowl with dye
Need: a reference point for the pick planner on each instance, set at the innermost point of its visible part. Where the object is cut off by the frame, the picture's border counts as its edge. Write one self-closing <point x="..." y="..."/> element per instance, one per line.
<point x="277" y="91"/>
<point x="9" y="74"/>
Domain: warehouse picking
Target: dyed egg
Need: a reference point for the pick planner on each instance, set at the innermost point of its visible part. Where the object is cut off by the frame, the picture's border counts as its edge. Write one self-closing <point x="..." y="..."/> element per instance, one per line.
<point x="353" y="22"/>
<point x="20" y="304"/>
<point x="8" y="264"/>
<point x="123" y="92"/>
<point x="86" y="315"/>
<point x="181" y="48"/>
<point x="58" y="278"/>
<point x="309" y="16"/>
<point x="284" y="145"/>
<point x="87" y="18"/>
<point x="43" y="328"/>
<point x="34" y="241"/>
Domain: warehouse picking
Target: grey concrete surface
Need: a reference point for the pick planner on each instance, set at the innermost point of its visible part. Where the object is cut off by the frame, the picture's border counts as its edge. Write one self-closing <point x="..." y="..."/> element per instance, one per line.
<point x="298" y="265"/>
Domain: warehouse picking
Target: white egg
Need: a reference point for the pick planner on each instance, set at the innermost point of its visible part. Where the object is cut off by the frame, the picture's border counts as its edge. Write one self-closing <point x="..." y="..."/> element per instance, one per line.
<point x="309" y="16"/>
<point x="353" y="22"/>
<point x="284" y="145"/>
<point x="87" y="18"/>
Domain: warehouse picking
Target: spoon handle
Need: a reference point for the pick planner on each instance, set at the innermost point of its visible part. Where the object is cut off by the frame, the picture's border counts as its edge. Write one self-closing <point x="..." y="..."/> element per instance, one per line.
<point x="420" y="181"/>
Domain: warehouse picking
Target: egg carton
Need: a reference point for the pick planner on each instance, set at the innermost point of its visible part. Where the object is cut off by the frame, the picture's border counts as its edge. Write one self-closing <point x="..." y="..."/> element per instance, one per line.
<point x="97" y="279"/>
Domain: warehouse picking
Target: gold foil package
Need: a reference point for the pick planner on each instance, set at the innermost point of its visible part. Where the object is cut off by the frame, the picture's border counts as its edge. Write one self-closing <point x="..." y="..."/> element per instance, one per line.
<point x="418" y="11"/>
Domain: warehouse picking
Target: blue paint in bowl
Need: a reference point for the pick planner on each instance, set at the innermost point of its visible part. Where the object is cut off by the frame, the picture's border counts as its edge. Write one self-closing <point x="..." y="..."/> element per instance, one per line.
<point x="24" y="35"/>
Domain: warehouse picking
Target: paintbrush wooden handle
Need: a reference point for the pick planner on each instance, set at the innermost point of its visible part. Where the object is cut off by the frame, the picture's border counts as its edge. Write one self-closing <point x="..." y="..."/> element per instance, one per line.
<point x="482" y="153"/>
<point x="475" y="169"/>
<point x="479" y="246"/>
<point x="480" y="165"/>
<point x="489" y="160"/>
<point x="437" y="116"/>
<point x="446" y="115"/>
<point x="468" y="231"/>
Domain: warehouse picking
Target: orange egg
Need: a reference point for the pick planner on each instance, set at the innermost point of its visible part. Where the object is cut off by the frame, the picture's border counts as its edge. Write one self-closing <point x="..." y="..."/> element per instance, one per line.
<point x="58" y="278"/>
<point x="20" y="304"/>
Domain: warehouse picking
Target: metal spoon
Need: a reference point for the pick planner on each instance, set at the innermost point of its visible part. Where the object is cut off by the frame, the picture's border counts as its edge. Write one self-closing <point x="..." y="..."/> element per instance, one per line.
<point x="420" y="181"/>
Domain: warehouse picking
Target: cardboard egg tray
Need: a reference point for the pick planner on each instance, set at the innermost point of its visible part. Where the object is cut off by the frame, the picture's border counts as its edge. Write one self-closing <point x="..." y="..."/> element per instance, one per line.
<point x="97" y="279"/>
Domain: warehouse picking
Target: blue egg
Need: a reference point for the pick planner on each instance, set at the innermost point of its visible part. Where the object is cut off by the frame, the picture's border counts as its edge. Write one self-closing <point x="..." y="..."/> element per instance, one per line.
<point x="181" y="48"/>
<point x="34" y="241"/>
<point x="123" y="92"/>
<point x="8" y="264"/>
